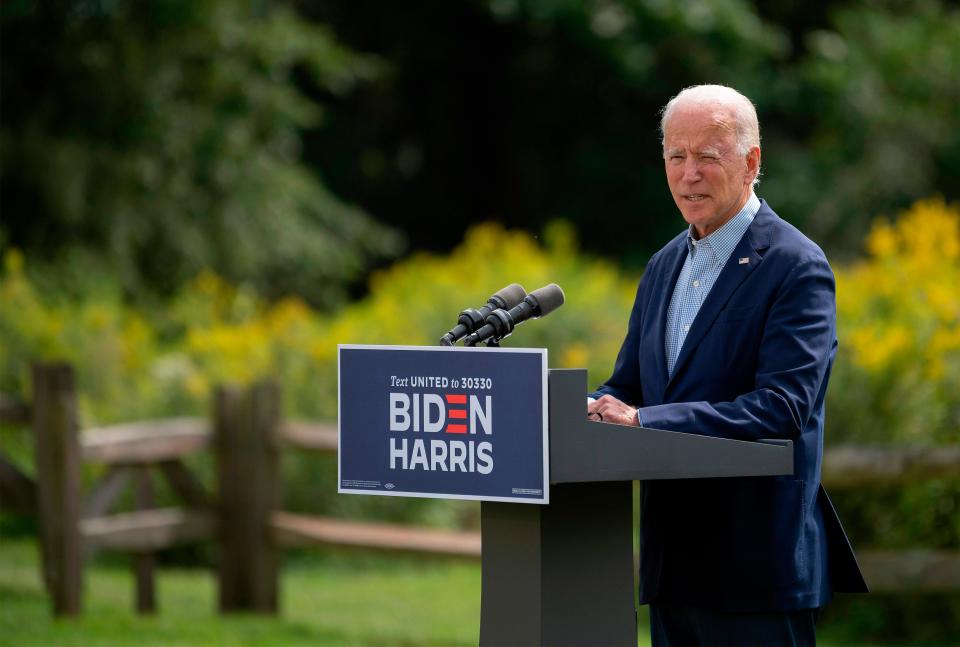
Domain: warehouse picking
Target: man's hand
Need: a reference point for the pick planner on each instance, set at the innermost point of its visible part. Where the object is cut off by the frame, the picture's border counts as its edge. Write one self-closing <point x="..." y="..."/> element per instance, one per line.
<point x="609" y="409"/>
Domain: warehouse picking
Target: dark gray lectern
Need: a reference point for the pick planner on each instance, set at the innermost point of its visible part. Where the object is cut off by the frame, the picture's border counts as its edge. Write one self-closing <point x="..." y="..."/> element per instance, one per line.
<point x="562" y="574"/>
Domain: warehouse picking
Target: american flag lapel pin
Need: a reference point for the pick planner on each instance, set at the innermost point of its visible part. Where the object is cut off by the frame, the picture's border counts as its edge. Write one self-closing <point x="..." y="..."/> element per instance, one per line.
<point x="744" y="260"/>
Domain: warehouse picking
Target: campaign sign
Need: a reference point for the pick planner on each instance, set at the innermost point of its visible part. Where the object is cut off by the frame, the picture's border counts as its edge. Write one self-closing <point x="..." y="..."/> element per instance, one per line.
<point x="441" y="422"/>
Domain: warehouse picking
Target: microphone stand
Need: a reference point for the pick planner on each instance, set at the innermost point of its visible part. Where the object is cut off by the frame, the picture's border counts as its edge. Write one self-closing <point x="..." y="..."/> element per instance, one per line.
<point x="492" y="342"/>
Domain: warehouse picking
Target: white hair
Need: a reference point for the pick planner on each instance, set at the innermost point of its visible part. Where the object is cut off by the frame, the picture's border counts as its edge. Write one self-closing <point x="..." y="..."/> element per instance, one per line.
<point x="745" y="124"/>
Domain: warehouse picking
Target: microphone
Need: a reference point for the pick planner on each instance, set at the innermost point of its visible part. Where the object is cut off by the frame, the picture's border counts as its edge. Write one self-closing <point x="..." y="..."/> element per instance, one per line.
<point x="501" y="323"/>
<point x="471" y="319"/>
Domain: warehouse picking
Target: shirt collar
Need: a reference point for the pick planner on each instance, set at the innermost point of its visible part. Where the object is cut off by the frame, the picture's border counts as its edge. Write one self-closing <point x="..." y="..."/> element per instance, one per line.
<point x="722" y="241"/>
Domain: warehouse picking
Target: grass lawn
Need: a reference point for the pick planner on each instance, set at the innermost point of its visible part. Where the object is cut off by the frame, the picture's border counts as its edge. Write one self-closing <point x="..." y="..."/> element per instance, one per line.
<point x="325" y="601"/>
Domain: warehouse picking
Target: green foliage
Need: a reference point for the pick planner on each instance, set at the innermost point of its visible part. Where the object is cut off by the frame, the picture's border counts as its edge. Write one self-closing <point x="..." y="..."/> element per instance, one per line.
<point x="135" y="363"/>
<point x="896" y="380"/>
<point x="880" y="91"/>
<point x="892" y="619"/>
<point x="149" y="140"/>
<point x="587" y="332"/>
<point x="538" y="110"/>
<point x="554" y="103"/>
<point x="924" y="514"/>
<point x="112" y="345"/>
<point x="898" y="373"/>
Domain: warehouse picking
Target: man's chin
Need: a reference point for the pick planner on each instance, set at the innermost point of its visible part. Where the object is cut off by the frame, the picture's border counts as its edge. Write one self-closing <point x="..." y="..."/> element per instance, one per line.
<point x="696" y="216"/>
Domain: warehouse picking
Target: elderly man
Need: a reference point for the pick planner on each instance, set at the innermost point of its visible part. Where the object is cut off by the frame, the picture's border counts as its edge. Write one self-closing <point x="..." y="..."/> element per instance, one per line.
<point x="732" y="334"/>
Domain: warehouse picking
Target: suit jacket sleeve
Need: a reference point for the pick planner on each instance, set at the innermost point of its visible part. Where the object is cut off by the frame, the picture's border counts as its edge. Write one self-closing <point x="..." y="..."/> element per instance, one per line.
<point x="795" y="353"/>
<point x="625" y="383"/>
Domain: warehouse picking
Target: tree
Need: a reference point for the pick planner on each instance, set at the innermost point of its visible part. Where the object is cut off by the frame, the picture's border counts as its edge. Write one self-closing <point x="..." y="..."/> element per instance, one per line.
<point x="882" y="96"/>
<point x="527" y="110"/>
<point x="153" y="139"/>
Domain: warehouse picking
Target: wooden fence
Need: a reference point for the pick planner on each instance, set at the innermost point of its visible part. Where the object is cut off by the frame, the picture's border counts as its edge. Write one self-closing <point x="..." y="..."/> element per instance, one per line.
<point x="247" y="435"/>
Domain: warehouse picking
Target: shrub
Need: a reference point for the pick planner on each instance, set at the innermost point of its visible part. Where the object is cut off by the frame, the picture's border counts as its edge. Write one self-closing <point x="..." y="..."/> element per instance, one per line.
<point x="896" y="378"/>
<point x="898" y="374"/>
<point x="137" y="363"/>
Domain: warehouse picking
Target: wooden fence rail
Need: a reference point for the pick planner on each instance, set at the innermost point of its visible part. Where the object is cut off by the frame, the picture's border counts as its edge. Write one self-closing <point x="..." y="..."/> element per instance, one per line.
<point x="850" y="466"/>
<point x="247" y="435"/>
<point x="148" y="441"/>
<point x="146" y="530"/>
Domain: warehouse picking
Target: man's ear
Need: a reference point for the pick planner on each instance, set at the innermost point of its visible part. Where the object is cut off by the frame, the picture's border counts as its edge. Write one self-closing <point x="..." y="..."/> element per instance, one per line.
<point x="753" y="164"/>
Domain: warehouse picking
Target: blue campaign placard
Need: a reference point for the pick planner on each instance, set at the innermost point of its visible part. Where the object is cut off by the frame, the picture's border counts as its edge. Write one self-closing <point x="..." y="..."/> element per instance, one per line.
<point x="441" y="422"/>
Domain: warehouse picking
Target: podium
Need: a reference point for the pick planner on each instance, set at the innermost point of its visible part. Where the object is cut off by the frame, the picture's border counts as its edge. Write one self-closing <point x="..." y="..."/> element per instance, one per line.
<point x="563" y="573"/>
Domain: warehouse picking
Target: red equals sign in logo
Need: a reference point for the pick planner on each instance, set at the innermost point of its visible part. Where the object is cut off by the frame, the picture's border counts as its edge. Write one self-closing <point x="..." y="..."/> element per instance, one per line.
<point x="456" y="413"/>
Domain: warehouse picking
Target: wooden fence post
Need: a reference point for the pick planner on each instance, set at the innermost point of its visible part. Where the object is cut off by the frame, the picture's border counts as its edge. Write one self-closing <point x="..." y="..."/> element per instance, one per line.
<point x="58" y="484"/>
<point x="144" y="562"/>
<point x="247" y="438"/>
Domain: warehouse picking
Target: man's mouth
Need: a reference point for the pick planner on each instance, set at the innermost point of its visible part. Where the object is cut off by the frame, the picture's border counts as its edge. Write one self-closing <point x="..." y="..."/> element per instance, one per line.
<point x="695" y="197"/>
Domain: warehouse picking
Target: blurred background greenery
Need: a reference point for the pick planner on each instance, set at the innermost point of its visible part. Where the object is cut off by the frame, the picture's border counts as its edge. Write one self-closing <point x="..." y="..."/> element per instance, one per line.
<point x="206" y="191"/>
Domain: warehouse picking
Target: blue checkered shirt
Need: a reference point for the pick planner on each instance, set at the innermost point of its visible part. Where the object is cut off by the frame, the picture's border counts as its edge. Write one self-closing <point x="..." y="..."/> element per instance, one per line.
<point x="705" y="259"/>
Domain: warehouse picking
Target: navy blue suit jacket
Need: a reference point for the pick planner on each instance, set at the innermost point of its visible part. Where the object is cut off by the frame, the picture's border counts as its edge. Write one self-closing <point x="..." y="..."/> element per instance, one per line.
<point x="755" y="364"/>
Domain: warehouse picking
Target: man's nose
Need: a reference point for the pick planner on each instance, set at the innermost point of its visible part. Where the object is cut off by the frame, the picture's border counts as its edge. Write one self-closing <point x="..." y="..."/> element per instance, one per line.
<point x="691" y="169"/>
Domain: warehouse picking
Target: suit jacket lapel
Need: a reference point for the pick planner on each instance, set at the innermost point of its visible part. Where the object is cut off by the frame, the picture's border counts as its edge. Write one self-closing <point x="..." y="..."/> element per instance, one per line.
<point x="733" y="274"/>
<point x="672" y="267"/>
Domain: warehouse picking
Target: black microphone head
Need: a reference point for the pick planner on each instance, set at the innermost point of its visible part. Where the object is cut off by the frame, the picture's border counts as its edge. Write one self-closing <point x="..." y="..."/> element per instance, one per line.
<point x="549" y="298"/>
<point x="510" y="296"/>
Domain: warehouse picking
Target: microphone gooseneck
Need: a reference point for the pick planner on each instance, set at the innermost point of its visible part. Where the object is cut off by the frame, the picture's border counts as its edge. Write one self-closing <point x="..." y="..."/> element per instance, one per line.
<point x="473" y="318"/>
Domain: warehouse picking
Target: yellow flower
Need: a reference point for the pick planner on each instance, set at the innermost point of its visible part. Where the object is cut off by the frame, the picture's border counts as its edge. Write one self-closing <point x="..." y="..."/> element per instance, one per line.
<point x="895" y="307"/>
<point x="882" y="240"/>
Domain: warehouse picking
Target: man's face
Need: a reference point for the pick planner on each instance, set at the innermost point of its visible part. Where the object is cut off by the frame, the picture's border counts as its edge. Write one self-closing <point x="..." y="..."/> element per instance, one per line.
<point x="708" y="179"/>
